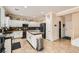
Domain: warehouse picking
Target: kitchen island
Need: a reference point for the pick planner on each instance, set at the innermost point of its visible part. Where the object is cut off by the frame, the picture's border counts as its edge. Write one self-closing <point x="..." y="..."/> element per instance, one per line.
<point x="35" y="39"/>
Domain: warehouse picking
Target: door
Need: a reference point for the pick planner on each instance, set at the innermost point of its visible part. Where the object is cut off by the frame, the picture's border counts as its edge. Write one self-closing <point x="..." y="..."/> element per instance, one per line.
<point x="59" y="29"/>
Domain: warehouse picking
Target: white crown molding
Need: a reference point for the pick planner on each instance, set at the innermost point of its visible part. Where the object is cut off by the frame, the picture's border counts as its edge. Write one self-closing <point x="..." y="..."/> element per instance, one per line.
<point x="68" y="11"/>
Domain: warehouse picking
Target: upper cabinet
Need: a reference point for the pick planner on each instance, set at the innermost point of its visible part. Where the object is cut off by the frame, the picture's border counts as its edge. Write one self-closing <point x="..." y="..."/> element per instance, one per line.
<point x="6" y="22"/>
<point x="2" y="17"/>
<point x="19" y="23"/>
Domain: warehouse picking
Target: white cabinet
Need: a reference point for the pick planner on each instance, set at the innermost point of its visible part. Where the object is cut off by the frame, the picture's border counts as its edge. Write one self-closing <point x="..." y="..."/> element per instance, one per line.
<point x="15" y="23"/>
<point x="35" y="40"/>
<point x="2" y="16"/>
<point x="34" y="24"/>
<point x="19" y="23"/>
<point x="17" y="34"/>
<point x="7" y="21"/>
<point x="7" y="46"/>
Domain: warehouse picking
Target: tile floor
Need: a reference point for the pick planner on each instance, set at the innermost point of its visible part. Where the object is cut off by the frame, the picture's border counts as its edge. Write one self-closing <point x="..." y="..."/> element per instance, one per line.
<point x="59" y="46"/>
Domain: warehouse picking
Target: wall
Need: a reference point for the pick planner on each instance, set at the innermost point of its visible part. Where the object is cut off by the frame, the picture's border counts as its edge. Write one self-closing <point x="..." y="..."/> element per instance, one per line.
<point x="55" y="27"/>
<point x="67" y="20"/>
<point x="68" y="25"/>
<point x="62" y="28"/>
<point x="52" y="27"/>
<point x="49" y="31"/>
<point x="2" y="16"/>
<point x="75" y="29"/>
<point x="62" y="19"/>
<point x="48" y="27"/>
<point x="75" y="22"/>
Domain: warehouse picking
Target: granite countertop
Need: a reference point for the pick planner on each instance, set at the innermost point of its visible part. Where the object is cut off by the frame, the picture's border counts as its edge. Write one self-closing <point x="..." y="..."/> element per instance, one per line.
<point x="35" y="32"/>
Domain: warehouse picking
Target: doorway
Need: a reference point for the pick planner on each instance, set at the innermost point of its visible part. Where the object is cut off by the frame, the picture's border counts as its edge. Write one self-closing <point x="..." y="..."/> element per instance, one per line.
<point x="59" y="29"/>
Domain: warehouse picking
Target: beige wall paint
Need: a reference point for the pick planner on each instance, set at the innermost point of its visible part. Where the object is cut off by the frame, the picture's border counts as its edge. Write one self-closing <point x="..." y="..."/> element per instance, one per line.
<point x="75" y="22"/>
<point x="68" y="25"/>
<point x="67" y="30"/>
<point x="52" y="30"/>
<point x="52" y="26"/>
<point x="62" y="22"/>
<point x="49" y="24"/>
<point x="75" y="29"/>
<point x="55" y="27"/>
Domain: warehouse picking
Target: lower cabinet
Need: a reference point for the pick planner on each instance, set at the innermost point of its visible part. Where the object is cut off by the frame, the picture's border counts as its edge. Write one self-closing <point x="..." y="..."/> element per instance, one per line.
<point x="7" y="46"/>
<point x="35" y="41"/>
<point x="17" y="34"/>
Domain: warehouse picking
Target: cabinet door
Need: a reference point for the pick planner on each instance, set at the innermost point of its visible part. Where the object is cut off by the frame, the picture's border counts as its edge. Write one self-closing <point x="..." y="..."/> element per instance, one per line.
<point x="7" y="46"/>
<point x="2" y="17"/>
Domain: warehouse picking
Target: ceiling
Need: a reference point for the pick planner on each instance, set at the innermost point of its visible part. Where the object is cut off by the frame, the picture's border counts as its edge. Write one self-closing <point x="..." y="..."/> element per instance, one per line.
<point x="35" y="11"/>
